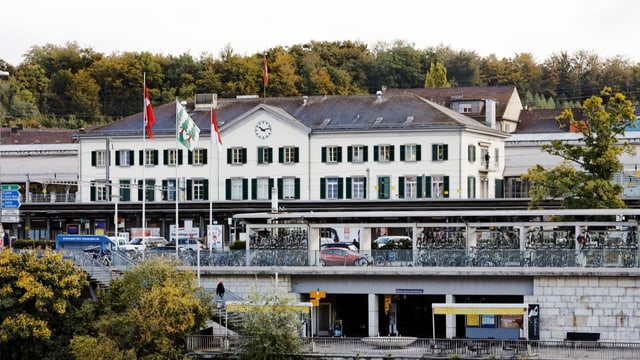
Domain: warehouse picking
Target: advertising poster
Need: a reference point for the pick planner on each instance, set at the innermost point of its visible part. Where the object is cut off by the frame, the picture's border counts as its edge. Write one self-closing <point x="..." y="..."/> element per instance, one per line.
<point x="214" y="237"/>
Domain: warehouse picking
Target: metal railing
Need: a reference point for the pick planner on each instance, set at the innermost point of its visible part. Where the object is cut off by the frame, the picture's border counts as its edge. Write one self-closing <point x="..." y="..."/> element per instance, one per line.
<point x="614" y="257"/>
<point x="421" y="348"/>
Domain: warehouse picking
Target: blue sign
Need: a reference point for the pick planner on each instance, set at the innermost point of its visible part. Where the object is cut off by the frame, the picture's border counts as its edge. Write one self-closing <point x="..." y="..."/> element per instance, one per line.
<point x="10" y="204"/>
<point x="10" y="194"/>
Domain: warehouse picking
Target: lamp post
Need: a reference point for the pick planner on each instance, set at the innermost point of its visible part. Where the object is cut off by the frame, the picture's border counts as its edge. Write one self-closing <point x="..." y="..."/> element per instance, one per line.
<point x="115" y="198"/>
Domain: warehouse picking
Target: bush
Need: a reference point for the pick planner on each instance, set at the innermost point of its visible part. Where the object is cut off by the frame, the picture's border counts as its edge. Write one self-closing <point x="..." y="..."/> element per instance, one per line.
<point x="33" y="244"/>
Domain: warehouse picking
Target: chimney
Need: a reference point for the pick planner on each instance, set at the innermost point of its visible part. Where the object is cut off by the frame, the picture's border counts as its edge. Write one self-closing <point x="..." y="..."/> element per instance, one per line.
<point x="490" y="113"/>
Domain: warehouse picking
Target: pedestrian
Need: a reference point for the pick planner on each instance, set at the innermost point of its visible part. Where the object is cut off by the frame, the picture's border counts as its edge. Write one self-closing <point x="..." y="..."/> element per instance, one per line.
<point x="220" y="289"/>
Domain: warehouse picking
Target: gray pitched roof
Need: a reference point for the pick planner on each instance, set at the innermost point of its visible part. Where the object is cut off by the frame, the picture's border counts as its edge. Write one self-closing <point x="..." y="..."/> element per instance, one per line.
<point x="346" y="113"/>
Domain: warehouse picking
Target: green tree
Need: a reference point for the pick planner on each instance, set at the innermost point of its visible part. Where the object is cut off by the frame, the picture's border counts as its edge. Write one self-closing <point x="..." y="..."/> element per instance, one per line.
<point x="83" y="96"/>
<point x="436" y="77"/>
<point x="584" y="178"/>
<point x="37" y="290"/>
<point x="271" y="325"/>
<point x="149" y="312"/>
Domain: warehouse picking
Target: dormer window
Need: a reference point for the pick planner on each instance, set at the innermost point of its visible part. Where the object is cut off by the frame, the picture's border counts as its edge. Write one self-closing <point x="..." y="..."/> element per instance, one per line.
<point x="464" y="108"/>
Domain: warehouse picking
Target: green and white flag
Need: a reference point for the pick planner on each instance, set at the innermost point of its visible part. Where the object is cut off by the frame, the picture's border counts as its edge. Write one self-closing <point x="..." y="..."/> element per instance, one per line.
<point x="188" y="131"/>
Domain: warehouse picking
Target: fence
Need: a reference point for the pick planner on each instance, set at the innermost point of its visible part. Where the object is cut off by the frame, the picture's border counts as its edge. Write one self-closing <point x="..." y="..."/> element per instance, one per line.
<point x="421" y="348"/>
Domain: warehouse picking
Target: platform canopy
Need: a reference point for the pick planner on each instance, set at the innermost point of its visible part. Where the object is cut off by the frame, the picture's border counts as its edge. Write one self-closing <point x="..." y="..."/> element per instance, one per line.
<point x="479" y="309"/>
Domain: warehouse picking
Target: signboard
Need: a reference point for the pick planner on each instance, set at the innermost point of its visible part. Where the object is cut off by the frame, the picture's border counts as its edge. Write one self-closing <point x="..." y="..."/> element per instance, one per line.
<point x="10" y="218"/>
<point x="10" y="187"/>
<point x="533" y="315"/>
<point x="214" y="236"/>
<point x="10" y="195"/>
<point x="10" y="204"/>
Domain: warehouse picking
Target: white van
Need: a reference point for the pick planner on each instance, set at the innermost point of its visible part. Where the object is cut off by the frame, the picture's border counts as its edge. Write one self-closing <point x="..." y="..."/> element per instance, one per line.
<point x="144" y="243"/>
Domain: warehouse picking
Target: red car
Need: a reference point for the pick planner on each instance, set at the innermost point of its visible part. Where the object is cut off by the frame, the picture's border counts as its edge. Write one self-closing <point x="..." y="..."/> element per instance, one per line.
<point x="341" y="256"/>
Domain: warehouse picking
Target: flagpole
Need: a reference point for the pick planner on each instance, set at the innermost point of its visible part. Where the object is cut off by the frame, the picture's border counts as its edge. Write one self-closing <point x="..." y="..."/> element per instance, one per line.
<point x="177" y="187"/>
<point x="210" y="229"/>
<point x="144" y="155"/>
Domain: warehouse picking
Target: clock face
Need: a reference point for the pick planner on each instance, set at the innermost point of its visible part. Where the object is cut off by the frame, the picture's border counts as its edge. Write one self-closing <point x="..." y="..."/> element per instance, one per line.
<point x="263" y="129"/>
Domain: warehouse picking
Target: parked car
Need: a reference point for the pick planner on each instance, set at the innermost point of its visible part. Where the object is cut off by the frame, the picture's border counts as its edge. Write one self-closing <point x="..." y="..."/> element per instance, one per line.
<point x="144" y="243"/>
<point x="393" y="242"/>
<point x="341" y="256"/>
<point x="190" y="244"/>
<point x="345" y="245"/>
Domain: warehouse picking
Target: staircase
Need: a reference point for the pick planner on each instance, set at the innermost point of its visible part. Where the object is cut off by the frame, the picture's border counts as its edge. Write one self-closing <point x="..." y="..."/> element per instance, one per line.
<point x="99" y="275"/>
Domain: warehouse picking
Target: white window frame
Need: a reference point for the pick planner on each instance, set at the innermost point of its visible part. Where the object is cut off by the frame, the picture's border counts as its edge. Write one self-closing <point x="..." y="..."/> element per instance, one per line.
<point x="332" y="190"/>
<point x="384" y="153"/>
<point x="197" y="189"/>
<point x="357" y="155"/>
<point x="262" y="188"/>
<point x="332" y="154"/>
<point x="236" y="189"/>
<point x="236" y="156"/>
<point x="198" y="156"/>
<point x="411" y="187"/>
<point x="411" y="152"/>
<point x="125" y="158"/>
<point x="172" y="155"/>
<point x="101" y="158"/>
<point x="437" y="186"/>
<point x="101" y="191"/>
<point x="288" y="188"/>
<point x="289" y="154"/>
<point x="171" y="189"/>
<point x="149" y="157"/>
<point x="358" y="187"/>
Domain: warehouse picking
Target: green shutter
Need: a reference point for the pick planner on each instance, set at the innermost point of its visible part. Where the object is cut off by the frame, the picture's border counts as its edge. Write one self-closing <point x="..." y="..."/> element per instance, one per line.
<point x="323" y="154"/>
<point x="401" y="187"/>
<point x="165" y="190"/>
<point x="92" y="193"/>
<point x="402" y="150"/>
<point x="206" y="189"/>
<point x="93" y="158"/>
<point x="340" y="154"/>
<point x="204" y="156"/>
<point x="254" y="188"/>
<point x="499" y="188"/>
<point x="131" y="153"/>
<point x="280" y="182"/>
<point x="446" y="186"/>
<point x="419" y="186"/>
<point x="434" y="152"/>
<point x="340" y="188"/>
<point x="229" y="157"/>
<point x="296" y="155"/>
<point x="323" y="190"/>
<point x="180" y="157"/>
<point x="260" y="152"/>
<point x="349" y="153"/>
<point x="117" y="158"/>
<point x="189" y="157"/>
<point x="348" y="189"/>
<point x="418" y="152"/>
<point x="375" y="152"/>
<point x="189" y="189"/>
<point x="244" y="155"/>
<point x="296" y="190"/>
<point x="445" y="152"/>
<point x="245" y="189"/>
<point x="156" y="155"/>
<point x="427" y="186"/>
<point x="392" y="151"/>
<point x="280" y="155"/>
<point x="270" y="187"/>
<point x="165" y="157"/>
<point x="270" y="155"/>
<point x="471" y="153"/>
<point x="227" y="189"/>
<point x="366" y="153"/>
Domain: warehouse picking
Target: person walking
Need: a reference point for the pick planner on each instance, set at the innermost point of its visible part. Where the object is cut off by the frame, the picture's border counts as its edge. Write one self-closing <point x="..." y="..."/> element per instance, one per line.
<point x="220" y="289"/>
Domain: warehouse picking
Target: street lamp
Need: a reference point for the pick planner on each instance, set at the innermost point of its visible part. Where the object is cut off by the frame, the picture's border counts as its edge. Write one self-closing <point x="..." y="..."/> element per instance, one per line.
<point x="115" y="198"/>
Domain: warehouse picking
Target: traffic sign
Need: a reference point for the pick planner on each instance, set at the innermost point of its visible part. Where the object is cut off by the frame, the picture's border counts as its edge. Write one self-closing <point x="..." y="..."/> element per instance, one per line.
<point x="10" y="204"/>
<point x="10" y="218"/>
<point x="10" y="195"/>
<point x="6" y="212"/>
<point x="10" y="187"/>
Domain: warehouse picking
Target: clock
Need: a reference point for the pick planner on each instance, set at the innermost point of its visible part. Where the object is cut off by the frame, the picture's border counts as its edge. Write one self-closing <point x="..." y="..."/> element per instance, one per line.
<point x="263" y="129"/>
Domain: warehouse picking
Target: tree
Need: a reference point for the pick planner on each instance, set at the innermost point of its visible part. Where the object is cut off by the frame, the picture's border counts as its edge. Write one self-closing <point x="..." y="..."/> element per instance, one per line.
<point x="436" y="77"/>
<point x="148" y="312"/>
<point x="37" y="290"/>
<point x="271" y="326"/>
<point x="584" y="179"/>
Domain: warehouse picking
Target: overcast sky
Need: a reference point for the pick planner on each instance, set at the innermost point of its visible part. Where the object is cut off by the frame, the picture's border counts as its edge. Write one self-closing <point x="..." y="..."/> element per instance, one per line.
<point x="500" y="27"/>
